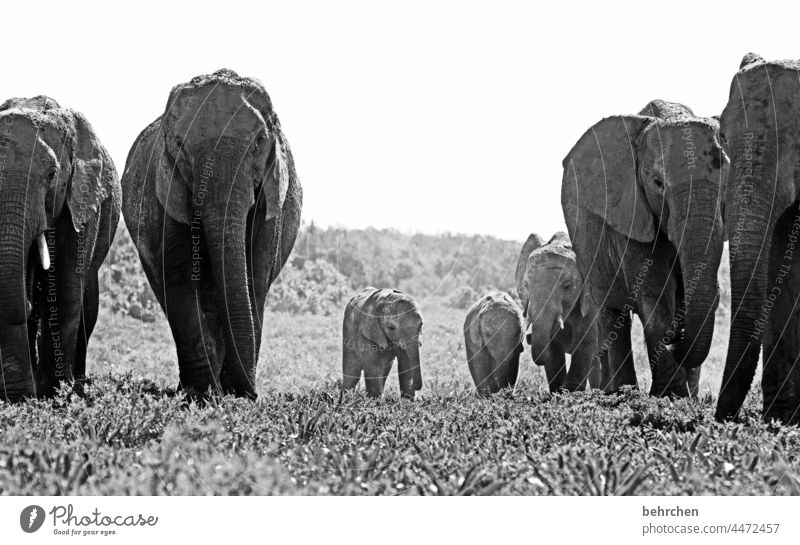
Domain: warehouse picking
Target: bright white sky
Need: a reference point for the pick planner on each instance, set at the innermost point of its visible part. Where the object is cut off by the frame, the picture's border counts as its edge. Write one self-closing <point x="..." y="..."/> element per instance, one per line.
<point x="422" y="116"/>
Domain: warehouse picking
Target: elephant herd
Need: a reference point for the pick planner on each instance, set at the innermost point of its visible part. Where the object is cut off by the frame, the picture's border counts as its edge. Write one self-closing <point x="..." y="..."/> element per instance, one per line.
<point x="212" y="202"/>
<point x="649" y="200"/>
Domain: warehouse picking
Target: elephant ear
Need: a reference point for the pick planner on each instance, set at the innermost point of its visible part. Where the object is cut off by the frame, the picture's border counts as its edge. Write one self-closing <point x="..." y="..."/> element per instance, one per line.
<point x="171" y="191"/>
<point x="530" y="245"/>
<point x="370" y="321"/>
<point x="750" y="58"/>
<point x="663" y="109"/>
<point x="90" y="183"/>
<point x="277" y="175"/>
<point x="472" y="328"/>
<point x="600" y="176"/>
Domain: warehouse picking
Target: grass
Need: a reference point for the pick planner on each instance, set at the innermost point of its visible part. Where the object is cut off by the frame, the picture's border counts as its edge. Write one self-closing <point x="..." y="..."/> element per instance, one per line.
<point x="133" y="435"/>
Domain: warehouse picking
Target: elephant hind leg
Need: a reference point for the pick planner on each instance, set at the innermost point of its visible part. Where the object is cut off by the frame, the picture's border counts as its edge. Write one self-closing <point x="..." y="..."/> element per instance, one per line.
<point x="480" y="367"/>
<point x="505" y="356"/>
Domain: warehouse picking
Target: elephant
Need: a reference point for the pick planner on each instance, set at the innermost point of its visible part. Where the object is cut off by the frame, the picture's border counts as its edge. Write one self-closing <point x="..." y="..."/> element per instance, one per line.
<point x="60" y="205"/>
<point x="559" y="315"/>
<point x="493" y="339"/>
<point x="381" y="325"/>
<point x="760" y="130"/>
<point x="641" y="199"/>
<point x="212" y="201"/>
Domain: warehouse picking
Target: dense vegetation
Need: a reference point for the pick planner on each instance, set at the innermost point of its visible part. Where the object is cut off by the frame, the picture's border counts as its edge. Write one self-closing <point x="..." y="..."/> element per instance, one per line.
<point x="133" y="434"/>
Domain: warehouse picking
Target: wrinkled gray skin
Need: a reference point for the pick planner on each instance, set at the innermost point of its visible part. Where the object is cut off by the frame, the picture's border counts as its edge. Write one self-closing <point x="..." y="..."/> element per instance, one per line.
<point x="558" y="319"/>
<point x="641" y="199"/>
<point x="493" y="339"/>
<point x="212" y="202"/>
<point x="760" y="130"/>
<point x="59" y="202"/>
<point x="381" y="325"/>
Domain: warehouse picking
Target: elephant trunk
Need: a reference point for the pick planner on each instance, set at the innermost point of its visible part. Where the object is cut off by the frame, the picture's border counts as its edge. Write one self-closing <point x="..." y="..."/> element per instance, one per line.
<point x="13" y="264"/>
<point x="224" y="228"/>
<point x="544" y="327"/>
<point x="409" y="370"/>
<point x="699" y="254"/>
<point x="750" y="221"/>
<point x="16" y="380"/>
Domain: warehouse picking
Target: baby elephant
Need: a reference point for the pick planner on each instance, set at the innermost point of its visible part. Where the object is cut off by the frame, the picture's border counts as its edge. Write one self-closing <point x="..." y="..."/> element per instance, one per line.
<point x="379" y="326"/>
<point x="493" y="337"/>
<point x="559" y="315"/>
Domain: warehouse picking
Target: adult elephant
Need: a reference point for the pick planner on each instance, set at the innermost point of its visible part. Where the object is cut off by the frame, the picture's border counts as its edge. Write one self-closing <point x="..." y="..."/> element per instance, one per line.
<point x="212" y="202"/>
<point x="760" y="129"/>
<point x="59" y="209"/>
<point x="640" y="196"/>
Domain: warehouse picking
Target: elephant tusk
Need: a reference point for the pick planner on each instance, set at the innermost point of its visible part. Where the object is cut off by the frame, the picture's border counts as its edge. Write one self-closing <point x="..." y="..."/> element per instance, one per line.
<point x="561" y="322"/>
<point x="44" y="253"/>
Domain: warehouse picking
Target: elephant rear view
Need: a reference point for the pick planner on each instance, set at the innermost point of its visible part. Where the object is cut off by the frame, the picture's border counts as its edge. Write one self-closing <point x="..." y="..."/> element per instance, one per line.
<point x="381" y="325"/>
<point x="59" y="209"/>
<point x="493" y="339"/>
<point x="212" y="202"/>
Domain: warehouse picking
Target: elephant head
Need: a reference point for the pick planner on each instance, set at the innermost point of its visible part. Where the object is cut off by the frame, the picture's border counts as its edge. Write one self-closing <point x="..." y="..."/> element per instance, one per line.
<point x="226" y="165"/>
<point x="53" y="171"/>
<point x="391" y="320"/>
<point x="760" y="129"/>
<point x="551" y="291"/>
<point x="649" y="177"/>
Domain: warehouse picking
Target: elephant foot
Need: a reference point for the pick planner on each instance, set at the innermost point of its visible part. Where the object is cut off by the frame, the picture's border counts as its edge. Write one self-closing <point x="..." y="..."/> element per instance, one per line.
<point x="674" y="391"/>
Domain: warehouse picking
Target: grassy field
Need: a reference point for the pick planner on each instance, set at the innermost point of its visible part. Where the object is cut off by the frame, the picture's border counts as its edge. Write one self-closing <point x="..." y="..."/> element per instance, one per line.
<point x="133" y="435"/>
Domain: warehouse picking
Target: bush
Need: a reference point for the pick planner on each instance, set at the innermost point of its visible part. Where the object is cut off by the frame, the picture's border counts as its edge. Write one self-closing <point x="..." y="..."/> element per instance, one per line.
<point x="462" y="298"/>
<point x="315" y="287"/>
<point x="123" y="285"/>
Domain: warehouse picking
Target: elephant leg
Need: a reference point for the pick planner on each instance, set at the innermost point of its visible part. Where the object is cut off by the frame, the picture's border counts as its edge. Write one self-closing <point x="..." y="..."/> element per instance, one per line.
<point x="556" y="369"/>
<point x="91" y="303"/>
<point x="198" y="362"/>
<point x="580" y="368"/>
<point x="585" y="355"/>
<point x="780" y="380"/>
<point x="480" y="367"/>
<point x="614" y="346"/>
<point x="669" y="378"/>
<point x="505" y="355"/>
<point x="60" y="324"/>
<point x="375" y="373"/>
<point x="351" y="368"/>
<point x="693" y="381"/>
<point x="16" y="374"/>
<point x="106" y="229"/>
<point x="509" y="371"/>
